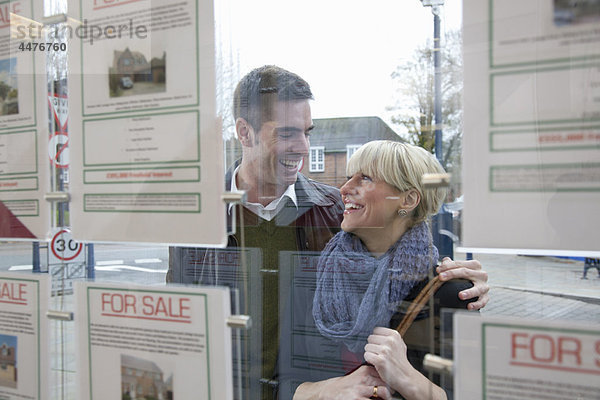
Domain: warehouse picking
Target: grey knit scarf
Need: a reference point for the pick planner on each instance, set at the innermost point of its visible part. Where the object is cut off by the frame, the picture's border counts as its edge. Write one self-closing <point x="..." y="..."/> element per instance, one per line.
<point x="356" y="292"/>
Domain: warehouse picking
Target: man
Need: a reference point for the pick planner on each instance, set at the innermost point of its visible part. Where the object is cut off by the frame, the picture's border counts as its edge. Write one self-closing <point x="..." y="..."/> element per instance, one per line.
<point x="284" y="210"/>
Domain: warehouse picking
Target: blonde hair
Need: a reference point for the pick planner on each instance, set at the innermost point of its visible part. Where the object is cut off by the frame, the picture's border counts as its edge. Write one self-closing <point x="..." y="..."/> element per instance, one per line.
<point x="400" y="165"/>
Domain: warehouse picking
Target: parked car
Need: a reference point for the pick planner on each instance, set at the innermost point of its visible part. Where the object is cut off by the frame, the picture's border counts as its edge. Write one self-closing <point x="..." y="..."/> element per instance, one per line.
<point x="126" y="82"/>
<point x="563" y="17"/>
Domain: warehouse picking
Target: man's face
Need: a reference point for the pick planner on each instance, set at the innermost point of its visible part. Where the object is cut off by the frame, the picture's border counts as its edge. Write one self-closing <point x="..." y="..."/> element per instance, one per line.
<point x="281" y="144"/>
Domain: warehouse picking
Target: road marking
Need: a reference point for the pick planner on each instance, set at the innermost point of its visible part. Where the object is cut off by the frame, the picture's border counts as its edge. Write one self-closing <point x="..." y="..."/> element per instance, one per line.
<point x="110" y="262"/>
<point x="148" y="261"/>
<point x="20" y="267"/>
<point x="129" y="267"/>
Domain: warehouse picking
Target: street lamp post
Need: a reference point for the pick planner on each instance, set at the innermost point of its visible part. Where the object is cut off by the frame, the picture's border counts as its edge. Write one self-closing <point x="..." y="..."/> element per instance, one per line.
<point x="437" y="77"/>
<point x="443" y="220"/>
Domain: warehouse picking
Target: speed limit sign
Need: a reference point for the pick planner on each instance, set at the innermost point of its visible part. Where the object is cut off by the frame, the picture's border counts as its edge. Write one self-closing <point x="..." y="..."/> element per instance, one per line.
<point x="64" y="247"/>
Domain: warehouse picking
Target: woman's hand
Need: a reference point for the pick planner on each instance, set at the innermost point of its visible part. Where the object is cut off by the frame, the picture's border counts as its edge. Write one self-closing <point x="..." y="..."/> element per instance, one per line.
<point x="472" y="271"/>
<point x="386" y="351"/>
<point x="360" y="384"/>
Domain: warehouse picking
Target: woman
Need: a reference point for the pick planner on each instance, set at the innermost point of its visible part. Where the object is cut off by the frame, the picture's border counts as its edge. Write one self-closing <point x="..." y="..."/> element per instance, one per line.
<point x="366" y="271"/>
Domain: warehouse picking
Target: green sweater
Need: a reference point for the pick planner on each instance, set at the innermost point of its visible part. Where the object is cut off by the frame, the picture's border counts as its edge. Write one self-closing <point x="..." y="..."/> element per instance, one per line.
<point x="271" y="238"/>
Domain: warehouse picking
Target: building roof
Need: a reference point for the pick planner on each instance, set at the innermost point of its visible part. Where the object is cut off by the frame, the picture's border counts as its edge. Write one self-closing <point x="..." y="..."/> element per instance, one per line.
<point x="139" y="364"/>
<point x="138" y="57"/>
<point x="335" y="133"/>
<point x="157" y="62"/>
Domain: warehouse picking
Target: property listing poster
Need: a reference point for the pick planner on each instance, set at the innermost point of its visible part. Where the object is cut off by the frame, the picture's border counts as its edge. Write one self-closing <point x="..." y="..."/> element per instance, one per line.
<point x="140" y="342"/>
<point x="241" y="270"/>
<point x="305" y="354"/>
<point x="511" y="359"/>
<point x="531" y="173"/>
<point x="24" y="152"/>
<point x="146" y="144"/>
<point x="24" y="336"/>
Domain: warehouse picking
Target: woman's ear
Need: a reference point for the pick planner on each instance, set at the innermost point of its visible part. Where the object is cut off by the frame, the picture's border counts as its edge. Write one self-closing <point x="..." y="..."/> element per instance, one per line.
<point x="412" y="198"/>
<point x="244" y="132"/>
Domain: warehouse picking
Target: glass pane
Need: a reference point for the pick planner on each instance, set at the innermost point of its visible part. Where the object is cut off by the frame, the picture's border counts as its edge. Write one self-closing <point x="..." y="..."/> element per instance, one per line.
<point x="319" y="257"/>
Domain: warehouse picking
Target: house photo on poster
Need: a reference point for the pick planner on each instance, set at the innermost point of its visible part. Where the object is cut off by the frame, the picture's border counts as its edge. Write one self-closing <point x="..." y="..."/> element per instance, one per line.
<point x="132" y="74"/>
<point x="9" y="90"/>
<point x="8" y="361"/>
<point x="144" y="379"/>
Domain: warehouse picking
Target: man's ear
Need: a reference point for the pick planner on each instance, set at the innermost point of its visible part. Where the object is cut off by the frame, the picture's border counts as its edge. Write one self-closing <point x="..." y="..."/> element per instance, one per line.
<point x="412" y="198"/>
<point x="244" y="132"/>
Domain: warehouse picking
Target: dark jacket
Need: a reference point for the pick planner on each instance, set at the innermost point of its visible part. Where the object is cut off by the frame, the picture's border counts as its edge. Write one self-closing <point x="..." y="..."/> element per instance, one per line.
<point x="317" y="220"/>
<point x="312" y="224"/>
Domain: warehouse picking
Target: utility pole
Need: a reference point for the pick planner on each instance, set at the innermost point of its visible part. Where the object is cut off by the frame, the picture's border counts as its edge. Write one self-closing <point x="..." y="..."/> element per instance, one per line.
<point x="437" y="82"/>
<point x="441" y="222"/>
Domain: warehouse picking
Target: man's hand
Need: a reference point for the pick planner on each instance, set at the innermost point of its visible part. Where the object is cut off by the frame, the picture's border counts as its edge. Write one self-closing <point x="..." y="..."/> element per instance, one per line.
<point x="472" y="271"/>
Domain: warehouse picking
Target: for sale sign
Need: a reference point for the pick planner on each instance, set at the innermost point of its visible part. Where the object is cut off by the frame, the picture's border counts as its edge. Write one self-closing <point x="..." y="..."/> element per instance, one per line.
<point x="518" y="359"/>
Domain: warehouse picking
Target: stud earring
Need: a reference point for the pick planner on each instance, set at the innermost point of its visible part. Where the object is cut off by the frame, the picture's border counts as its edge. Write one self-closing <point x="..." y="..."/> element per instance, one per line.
<point x="402" y="213"/>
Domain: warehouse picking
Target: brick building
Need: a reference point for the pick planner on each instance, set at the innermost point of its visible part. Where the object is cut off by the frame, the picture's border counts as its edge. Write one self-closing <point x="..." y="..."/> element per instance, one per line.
<point x="143" y="379"/>
<point x="334" y="140"/>
<point x="8" y="366"/>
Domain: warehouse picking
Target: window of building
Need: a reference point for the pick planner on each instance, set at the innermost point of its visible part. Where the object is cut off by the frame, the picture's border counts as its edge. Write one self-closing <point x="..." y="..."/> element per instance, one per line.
<point x="317" y="159"/>
<point x="350" y="149"/>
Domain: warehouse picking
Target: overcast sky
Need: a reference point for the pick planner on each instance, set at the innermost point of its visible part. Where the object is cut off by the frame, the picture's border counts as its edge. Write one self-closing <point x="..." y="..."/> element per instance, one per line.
<point x="345" y="49"/>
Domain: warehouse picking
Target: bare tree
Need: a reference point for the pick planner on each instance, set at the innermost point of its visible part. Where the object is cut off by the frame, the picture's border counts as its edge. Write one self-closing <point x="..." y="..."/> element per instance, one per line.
<point x="413" y="109"/>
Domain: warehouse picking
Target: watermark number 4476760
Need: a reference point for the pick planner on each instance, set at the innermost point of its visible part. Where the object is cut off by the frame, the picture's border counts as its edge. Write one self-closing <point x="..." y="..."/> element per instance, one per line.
<point x="42" y="46"/>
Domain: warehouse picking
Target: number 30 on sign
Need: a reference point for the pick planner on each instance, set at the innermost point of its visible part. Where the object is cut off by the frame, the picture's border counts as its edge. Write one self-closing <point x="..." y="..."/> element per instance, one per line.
<point x="64" y="247"/>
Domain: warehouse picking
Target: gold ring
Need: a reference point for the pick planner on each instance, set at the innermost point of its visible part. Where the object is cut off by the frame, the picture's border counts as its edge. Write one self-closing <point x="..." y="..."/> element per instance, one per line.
<point x="374" y="391"/>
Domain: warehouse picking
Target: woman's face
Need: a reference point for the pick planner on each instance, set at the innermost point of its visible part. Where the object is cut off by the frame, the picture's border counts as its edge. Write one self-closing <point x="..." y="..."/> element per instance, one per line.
<point x="371" y="206"/>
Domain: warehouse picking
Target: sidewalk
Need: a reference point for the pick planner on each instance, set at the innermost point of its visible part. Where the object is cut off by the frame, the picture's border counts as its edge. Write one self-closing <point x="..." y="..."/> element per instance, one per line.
<point x="540" y="288"/>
